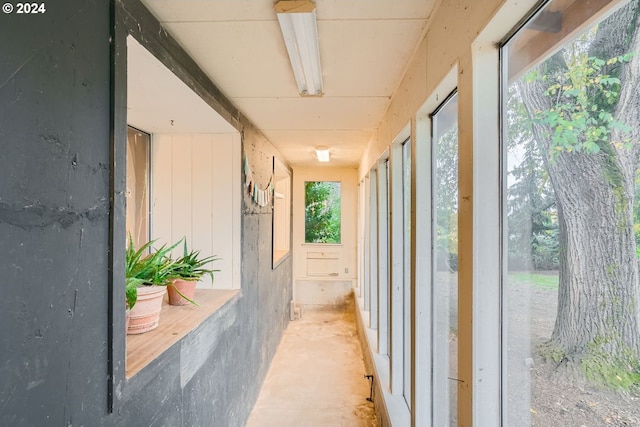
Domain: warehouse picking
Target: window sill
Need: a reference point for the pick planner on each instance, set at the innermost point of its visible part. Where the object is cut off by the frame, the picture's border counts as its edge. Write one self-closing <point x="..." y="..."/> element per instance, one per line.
<point x="175" y="323"/>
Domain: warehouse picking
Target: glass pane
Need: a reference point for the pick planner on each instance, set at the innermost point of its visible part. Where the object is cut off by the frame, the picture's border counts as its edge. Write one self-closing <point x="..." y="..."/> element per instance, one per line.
<point x="367" y="244"/>
<point x="373" y="248"/>
<point x="137" y="197"/>
<point x="382" y="286"/>
<point x="445" y="262"/>
<point x="571" y="214"/>
<point x="322" y="212"/>
<point x="406" y="215"/>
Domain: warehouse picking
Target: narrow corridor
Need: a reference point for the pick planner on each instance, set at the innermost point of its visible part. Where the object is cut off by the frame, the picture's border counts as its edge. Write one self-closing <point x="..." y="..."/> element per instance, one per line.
<point x="317" y="375"/>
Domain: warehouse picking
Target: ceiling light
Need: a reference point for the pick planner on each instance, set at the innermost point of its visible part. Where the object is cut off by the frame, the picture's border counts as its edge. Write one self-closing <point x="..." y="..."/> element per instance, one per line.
<point x="322" y="153"/>
<point x="297" y="20"/>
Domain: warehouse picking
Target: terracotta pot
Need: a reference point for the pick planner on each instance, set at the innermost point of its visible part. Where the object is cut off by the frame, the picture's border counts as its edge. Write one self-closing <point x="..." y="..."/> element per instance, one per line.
<point x="186" y="288"/>
<point x="126" y="319"/>
<point x="145" y="315"/>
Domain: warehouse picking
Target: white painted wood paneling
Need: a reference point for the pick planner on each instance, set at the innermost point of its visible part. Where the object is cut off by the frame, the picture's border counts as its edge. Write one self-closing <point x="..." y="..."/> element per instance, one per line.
<point x="196" y="195"/>
<point x="161" y="187"/>
<point x="181" y="219"/>
<point x="323" y="264"/>
<point x="202" y="202"/>
<point x="222" y="213"/>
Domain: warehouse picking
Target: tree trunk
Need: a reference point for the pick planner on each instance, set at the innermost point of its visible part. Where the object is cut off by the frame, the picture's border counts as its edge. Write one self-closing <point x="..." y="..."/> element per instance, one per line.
<point x="599" y="293"/>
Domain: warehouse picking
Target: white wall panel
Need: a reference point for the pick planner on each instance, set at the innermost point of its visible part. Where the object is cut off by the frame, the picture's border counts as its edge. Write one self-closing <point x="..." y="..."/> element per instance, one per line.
<point x="202" y="200"/>
<point x="161" y="187"/>
<point x="222" y="214"/>
<point x="196" y="194"/>
<point x="181" y="220"/>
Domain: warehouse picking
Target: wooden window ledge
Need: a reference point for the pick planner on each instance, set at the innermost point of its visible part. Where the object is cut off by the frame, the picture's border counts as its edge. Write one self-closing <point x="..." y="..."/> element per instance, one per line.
<point x="175" y="323"/>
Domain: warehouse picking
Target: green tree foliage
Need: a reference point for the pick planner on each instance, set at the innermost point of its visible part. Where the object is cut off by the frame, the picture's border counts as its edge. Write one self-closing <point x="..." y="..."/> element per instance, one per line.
<point x="446" y="199"/>
<point x="532" y="217"/>
<point x="322" y="212"/>
<point x="584" y="94"/>
<point x="583" y="98"/>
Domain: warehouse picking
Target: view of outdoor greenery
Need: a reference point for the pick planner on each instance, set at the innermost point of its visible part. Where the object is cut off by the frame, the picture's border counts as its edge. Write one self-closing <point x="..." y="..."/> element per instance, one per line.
<point x="445" y="261"/>
<point x="322" y="212"/>
<point x="572" y="292"/>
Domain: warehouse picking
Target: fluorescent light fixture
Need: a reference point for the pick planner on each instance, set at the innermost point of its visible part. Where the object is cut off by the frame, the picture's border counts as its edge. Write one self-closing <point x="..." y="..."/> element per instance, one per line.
<point x="297" y="20"/>
<point x="322" y="153"/>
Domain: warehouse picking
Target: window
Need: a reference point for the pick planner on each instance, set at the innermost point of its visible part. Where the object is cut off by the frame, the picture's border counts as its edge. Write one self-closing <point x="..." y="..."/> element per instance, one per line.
<point x="400" y="267"/>
<point x="406" y="266"/>
<point x="445" y="261"/>
<point x="571" y="217"/>
<point x="362" y="212"/>
<point x="184" y="182"/>
<point x="366" y="265"/>
<point x="322" y="212"/>
<point x="382" y="287"/>
<point x="281" y="211"/>
<point x="373" y="249"/>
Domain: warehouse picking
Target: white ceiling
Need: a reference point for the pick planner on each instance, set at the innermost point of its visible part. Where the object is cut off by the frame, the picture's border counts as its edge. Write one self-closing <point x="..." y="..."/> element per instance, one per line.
<point x="365" y="46"/>
<point x="175" y="108"/>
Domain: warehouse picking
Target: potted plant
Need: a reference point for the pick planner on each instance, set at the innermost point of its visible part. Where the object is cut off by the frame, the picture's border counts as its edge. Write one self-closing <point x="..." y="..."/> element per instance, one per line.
<point x="146" y="278"/>
<point x="186" y="272"/>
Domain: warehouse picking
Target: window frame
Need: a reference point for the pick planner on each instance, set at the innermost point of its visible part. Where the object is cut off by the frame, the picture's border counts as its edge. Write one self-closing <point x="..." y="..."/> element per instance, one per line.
<point x="136" y="21"/>
<point x="406" y="270"/>
<point x="366" y="245"/>
<point x="383" y="255"/>
<point x="441" y="374"/>
<point x="373" y="249"/>
<point x="499" y="51"/>
<point x="422" y="391"/>
<point x="400" y="269"/>
<point x="479" y="166"/>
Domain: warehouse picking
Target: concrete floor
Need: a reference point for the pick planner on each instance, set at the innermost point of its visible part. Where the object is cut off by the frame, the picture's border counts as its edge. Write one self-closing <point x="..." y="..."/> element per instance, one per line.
<point x="317" y="376"/>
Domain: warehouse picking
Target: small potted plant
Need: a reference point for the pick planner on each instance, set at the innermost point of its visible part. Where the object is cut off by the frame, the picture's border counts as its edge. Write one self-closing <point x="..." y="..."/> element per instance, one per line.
<point x="146" y="278"/>
<point x="186" y="272"/>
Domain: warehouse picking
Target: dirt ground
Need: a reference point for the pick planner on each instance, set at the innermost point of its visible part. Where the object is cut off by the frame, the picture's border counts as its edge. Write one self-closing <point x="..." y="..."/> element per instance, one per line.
<point x="556" y="397"/>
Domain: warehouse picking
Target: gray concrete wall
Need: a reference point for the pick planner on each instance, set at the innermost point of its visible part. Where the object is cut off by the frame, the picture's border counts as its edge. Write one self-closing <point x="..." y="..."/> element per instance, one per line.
<point x="63" y="295"/>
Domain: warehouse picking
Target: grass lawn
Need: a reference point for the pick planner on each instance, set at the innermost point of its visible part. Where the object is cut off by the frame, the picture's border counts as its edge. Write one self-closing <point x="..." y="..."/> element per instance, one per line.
<point x="539" y="280"/>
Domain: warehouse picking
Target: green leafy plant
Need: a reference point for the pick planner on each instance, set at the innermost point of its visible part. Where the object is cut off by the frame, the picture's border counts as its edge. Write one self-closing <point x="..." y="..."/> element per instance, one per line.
<point x="190" y="266"/>
<point x="155" y="268"/>
<point x="583" y="96"/>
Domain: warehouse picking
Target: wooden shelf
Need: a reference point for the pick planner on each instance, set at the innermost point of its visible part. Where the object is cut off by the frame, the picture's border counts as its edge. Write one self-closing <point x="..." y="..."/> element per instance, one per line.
<point x="175" y="323"/>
